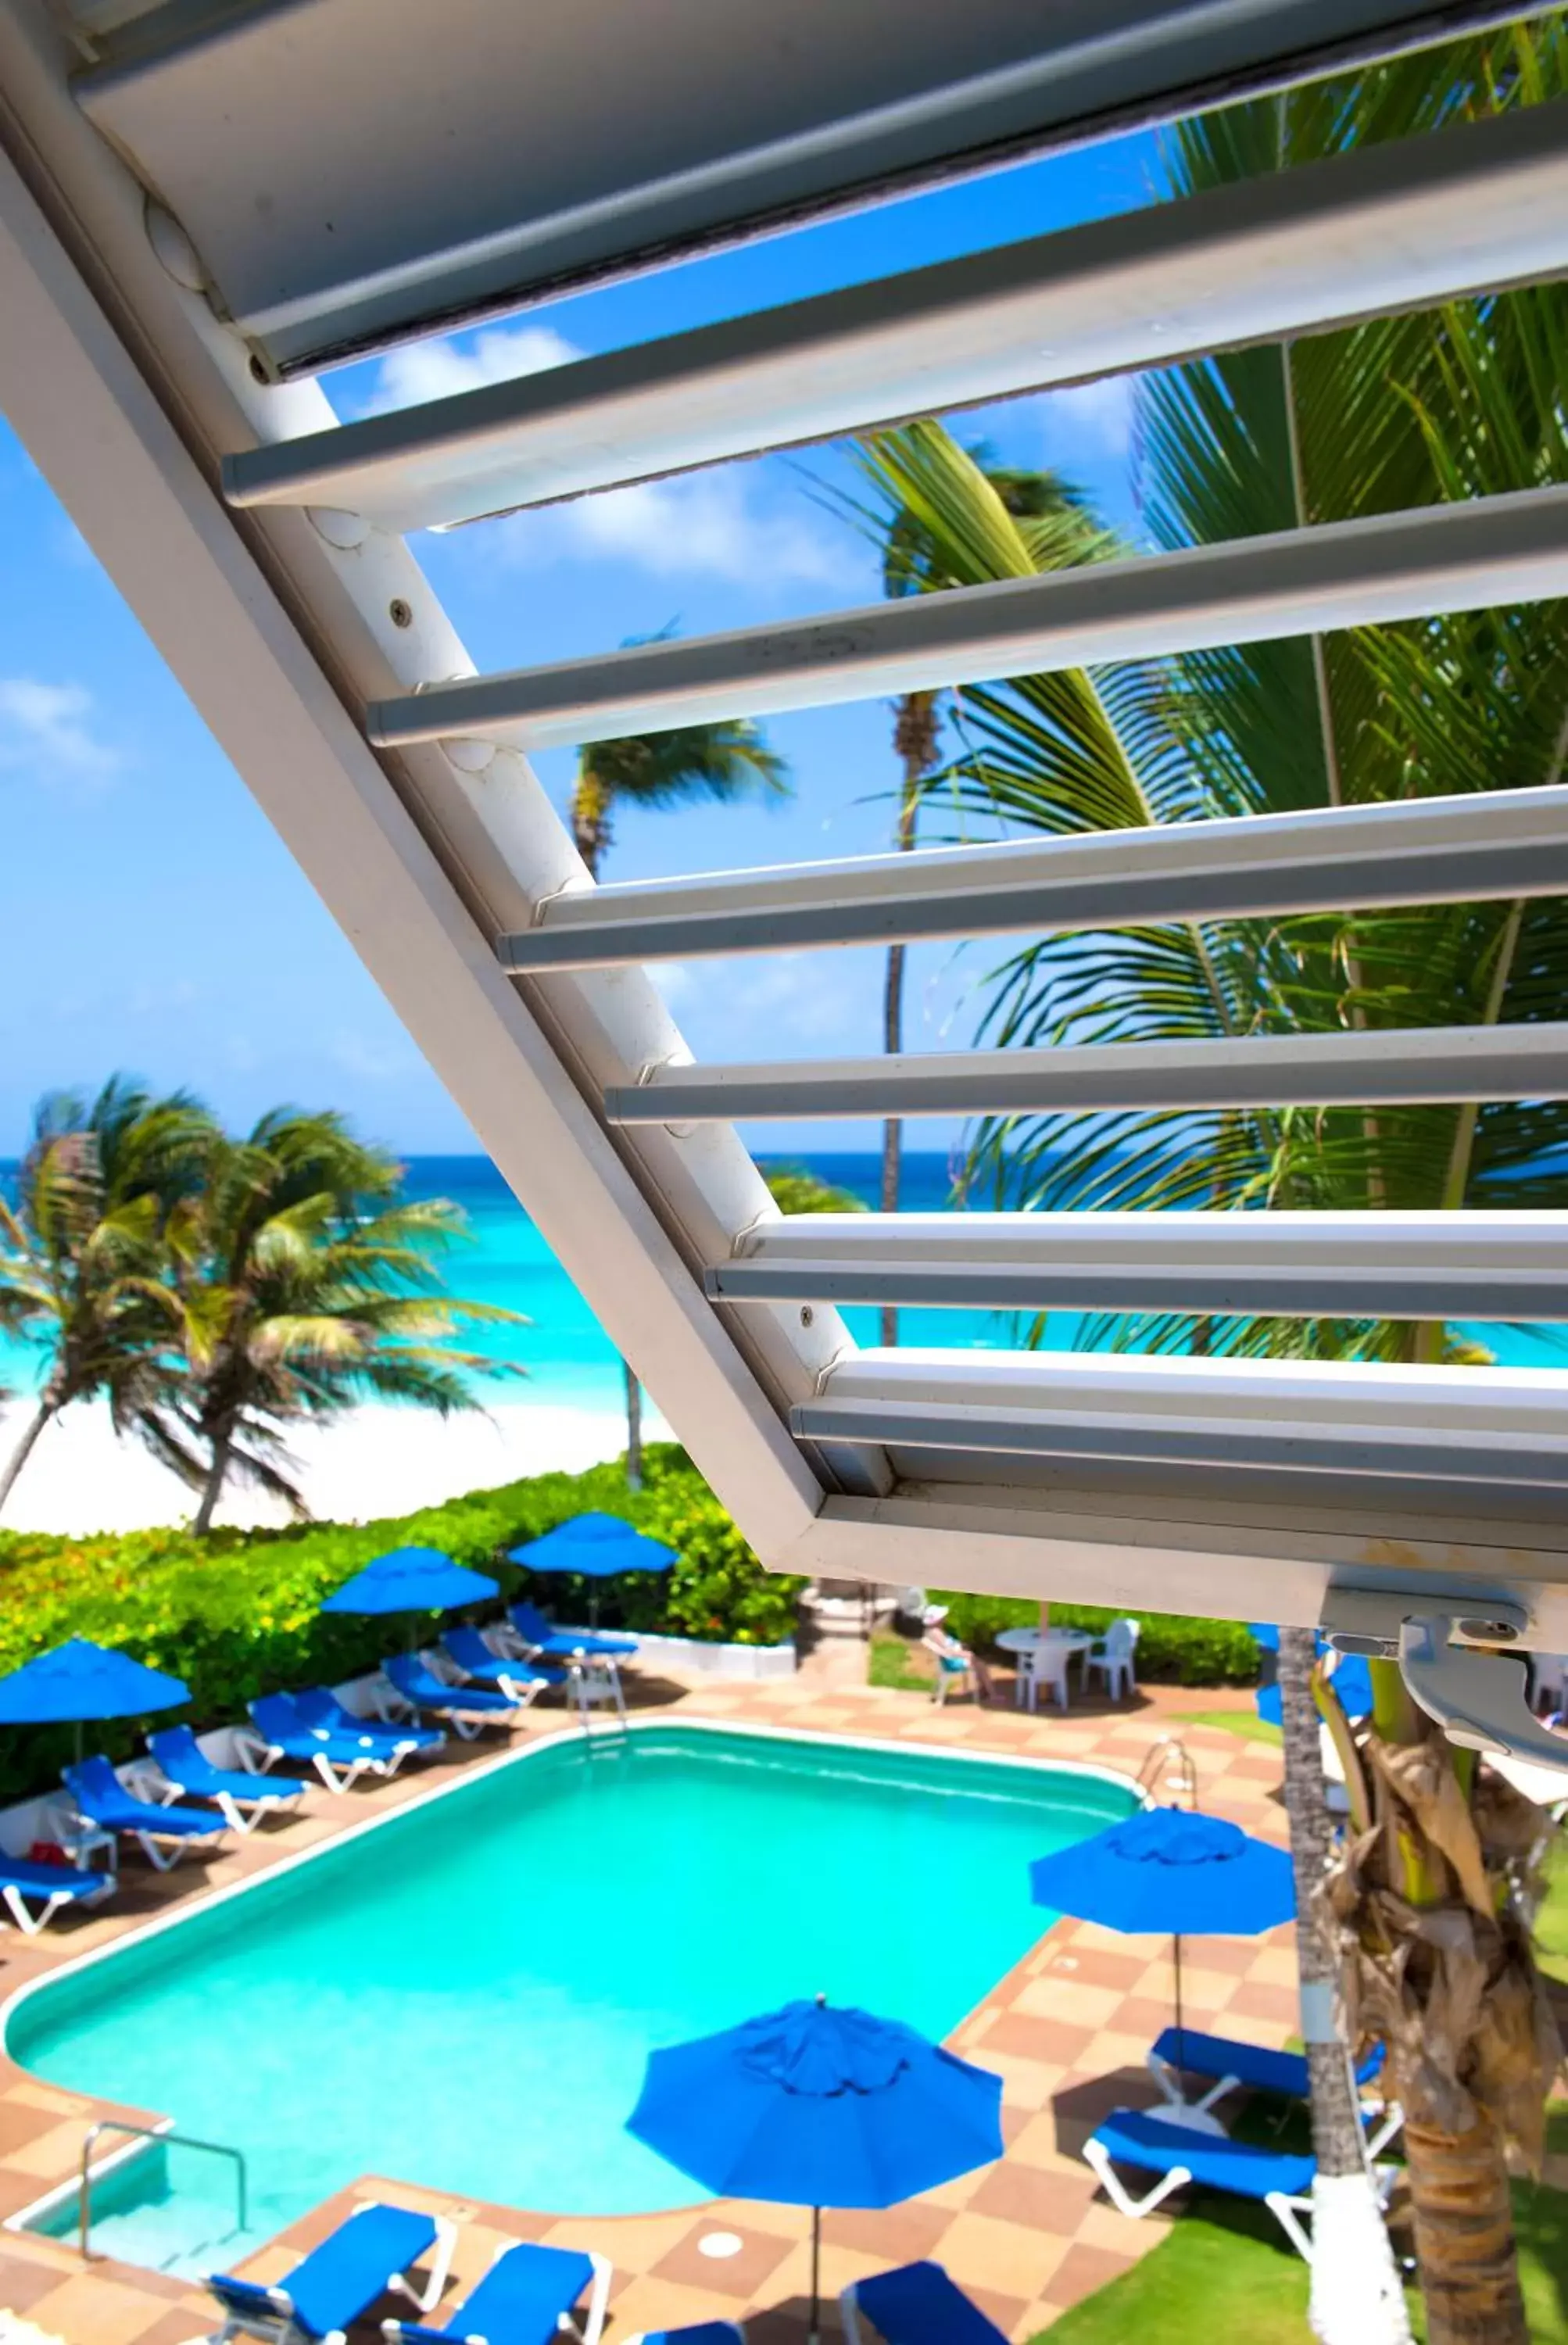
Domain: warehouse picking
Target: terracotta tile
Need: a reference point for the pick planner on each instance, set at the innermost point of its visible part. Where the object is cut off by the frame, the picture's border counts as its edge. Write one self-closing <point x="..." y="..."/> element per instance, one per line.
<point x="1094" y="1966"/>
<point x="175" y="2328"/>
<point x="1028" y="2038"/>
<point x="738" y="2277"/>
<point x="1258" y="2000"/>
<point x="1067" y="1999"/>
<point x="980" y="2252"/>
<point x="895" y="2235"/>
<point x="1043" y="2199"/>
<point x="1082" y="2269"/>
<point x="22" y="2284"/>
<point x="88" y="2310"/>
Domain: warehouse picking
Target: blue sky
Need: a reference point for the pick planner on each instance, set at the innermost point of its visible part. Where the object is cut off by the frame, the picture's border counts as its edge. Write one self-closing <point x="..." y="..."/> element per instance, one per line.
<point x="153" y="921"/>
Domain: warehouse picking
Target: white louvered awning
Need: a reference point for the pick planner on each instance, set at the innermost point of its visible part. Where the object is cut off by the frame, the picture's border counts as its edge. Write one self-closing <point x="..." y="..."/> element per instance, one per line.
<point x="201" y="203"/>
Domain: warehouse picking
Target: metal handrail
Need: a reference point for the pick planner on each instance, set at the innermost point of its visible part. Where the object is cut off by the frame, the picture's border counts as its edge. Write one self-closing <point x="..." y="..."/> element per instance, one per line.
<point x="1171" y="1757"/>
<point x="154" y="2133"/>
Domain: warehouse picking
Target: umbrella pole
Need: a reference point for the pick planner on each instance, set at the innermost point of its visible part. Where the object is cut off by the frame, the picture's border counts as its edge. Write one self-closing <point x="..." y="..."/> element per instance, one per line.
<point x="816" y="2275"/>
<point x="1175" y="1957"/>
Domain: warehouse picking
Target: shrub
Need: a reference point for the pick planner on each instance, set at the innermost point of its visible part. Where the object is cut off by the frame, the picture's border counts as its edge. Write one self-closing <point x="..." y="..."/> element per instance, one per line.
<point x="1172" y="1648"/>
<point x="237" y="1613"/>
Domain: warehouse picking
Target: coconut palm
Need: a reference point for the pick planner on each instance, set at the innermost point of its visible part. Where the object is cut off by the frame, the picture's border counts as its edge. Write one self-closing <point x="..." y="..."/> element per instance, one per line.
<point x="796" y="1190"/>
<point x="81" y="1251"/>
<point x="301" y="1284"/>
<point x="1390" y="414"/>
<point x="1041" y="521"/>
<point x="723" y="762"/>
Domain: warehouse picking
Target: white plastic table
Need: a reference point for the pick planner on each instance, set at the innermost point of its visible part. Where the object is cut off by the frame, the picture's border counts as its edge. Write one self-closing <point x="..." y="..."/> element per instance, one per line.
<point x="1031" y="1641"/>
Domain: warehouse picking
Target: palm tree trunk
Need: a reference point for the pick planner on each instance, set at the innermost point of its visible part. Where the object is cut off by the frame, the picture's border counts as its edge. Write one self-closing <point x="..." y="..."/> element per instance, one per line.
<point x="213" y="1489"/>
<point x="1465" y="2236"/>
<point x="633" y="1428"/>
<point x="1461" y="2204"/>
<point x="914" y="739"/>
<point x="1356" y="2298"/>
<point x="24" y="1449"/>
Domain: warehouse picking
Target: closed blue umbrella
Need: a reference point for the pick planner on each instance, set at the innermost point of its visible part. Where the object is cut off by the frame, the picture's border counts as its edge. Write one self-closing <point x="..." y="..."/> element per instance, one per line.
<point x="412" y="1579"/>
<point x="79" y="1680"/>
<point x="600" y="1547"/>
<point x="1170" y="1869"/>
<point x="1351" y="1678"/>
<point x="817" y="2106"/>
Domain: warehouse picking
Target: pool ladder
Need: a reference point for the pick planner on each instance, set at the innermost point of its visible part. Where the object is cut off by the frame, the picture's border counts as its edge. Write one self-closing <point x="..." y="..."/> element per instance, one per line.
<point x="1168" y="1769"/>
<point x="158" y="2134"/>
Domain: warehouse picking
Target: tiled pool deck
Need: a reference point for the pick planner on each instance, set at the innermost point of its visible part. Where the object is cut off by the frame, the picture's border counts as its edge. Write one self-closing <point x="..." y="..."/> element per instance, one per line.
<point x="1067" y="2029"/>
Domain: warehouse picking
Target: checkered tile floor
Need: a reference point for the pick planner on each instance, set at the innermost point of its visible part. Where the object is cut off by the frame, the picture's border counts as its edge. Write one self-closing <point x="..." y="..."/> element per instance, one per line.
<point x="1068" y="2030"/>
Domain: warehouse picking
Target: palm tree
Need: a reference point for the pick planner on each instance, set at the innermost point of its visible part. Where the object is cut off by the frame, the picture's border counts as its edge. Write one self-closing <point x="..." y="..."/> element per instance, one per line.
<point x="1051" y="525"/>
<point x="302" y="1284"/>
<point x="724" y="762"/>
<point x="1392" y="414"/>
<point x="796" y="1190"/>
<point x="81" y="1251"/>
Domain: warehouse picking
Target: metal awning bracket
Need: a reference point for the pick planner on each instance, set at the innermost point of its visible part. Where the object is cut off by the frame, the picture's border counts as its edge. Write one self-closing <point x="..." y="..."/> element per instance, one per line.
<point x="1462" y="1658"/>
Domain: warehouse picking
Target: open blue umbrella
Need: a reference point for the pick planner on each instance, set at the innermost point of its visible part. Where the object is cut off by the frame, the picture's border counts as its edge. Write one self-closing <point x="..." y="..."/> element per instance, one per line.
<point x="817" y="2106"/>
<point x="412" y="1579"/>
<point x="600" y="1547"/>
<point x="80" y="1680"/>
<point x="1170" y="1869"/>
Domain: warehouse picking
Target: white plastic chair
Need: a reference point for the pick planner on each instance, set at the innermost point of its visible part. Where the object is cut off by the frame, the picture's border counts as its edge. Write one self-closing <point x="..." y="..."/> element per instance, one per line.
<point x="1042" y="1665"/>
<point x="1113" y="1655"/>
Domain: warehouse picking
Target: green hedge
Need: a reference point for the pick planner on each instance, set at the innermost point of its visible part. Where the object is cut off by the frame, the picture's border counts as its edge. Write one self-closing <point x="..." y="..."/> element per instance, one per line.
<point x="1172" y="1648"/>
<point x="238" y="1613"/>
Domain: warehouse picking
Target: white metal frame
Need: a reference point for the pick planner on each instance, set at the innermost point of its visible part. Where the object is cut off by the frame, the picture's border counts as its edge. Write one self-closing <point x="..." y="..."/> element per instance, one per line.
<point x="288" y="625"/>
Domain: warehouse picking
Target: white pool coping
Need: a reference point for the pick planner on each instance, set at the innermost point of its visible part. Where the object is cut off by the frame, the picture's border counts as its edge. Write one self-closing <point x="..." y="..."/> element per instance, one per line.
<point x="28" y="2218"/>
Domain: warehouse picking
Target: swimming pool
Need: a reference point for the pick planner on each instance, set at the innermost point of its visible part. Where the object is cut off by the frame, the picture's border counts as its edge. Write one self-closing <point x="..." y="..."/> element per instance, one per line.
<point x="464" y="1995"/>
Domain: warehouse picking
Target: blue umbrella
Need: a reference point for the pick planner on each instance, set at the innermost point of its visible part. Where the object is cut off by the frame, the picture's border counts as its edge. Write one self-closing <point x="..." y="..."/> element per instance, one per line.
<point x="1170" y="1869"/>
<point x="79" y="1680"/>
<point x="601" y="1547"/>
<point x="817" y="2107"/>
<point x="412" y="1579"/>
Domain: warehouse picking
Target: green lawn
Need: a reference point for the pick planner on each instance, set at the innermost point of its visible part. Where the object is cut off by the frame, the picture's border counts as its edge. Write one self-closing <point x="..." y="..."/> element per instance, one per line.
<point x="895" y="1661"/>
<point x="1244" y="1722"/>
<point x="1223" y="2271"/>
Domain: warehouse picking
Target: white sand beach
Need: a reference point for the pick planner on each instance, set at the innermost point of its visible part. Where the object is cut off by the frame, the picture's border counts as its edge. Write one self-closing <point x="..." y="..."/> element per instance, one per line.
<point x="378" y="1461"/>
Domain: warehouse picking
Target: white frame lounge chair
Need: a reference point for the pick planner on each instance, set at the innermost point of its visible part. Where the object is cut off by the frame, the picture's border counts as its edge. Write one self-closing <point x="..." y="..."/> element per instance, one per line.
<point x="57" y="1885"/>
<point x="340" y="1759"/>
<point x="396" y="2239"/>
<point x="169" y="1774"/>
<point x="1155" y="2142"/>
<point x="486" y="2316"/>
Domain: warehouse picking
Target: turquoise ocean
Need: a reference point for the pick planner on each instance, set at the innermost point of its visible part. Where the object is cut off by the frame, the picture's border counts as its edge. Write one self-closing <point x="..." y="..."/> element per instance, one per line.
<point x="569" y="1360"/>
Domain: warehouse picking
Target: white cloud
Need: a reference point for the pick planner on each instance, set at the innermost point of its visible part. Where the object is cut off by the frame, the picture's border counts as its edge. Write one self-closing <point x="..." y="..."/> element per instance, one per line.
<point x="706" y="525"/>
<point x="407" y="378"/>
<point x="48" y="725"/>
<point x="1095" y="416"/>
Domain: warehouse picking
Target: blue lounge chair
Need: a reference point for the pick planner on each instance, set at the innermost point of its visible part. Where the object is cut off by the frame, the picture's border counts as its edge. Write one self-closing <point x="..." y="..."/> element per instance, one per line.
<point x="466" y="1649"/>
<point x="466" y="1708"/>
<point x="317" y="1707"/>
<point x="528" y="2294"/>
<point x="163" y="1832"/>
<point x="1188" y="2052"/>
<point x="243" y="1800"/>
<point x="365" y="2255"/>
<point x="340" y="1759"/>
<point x="542" y="1636"/>
<point x="1179" y="2153"/>
<point x="49" y="1887"/>
<point x="706" y="2332"/>
<point x="917" y="2305"/>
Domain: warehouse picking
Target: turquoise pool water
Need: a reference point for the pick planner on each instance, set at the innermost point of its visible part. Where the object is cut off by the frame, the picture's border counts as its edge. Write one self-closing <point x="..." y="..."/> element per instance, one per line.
<point x="466" y="1997"/>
